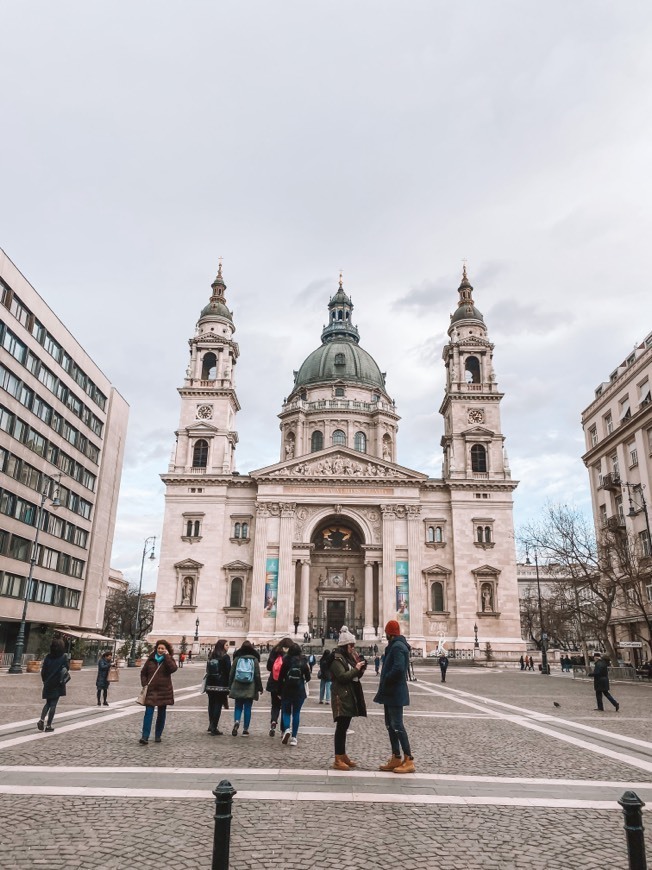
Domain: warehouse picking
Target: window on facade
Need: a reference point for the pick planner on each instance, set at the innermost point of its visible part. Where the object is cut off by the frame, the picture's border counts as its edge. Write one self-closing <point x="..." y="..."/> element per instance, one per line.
<point x="608" y="424"/>
<point x="619" y="508"/>
<point x="472" y="370"/>
<point x="360" y="442"/>
<point x="439" y="537"/>
<point x="209" y="367"/>
<point x="644" y="543"/>
<point x="339" y="359"/>
<point x="316" y="441"/>
<point x="487" y="534"/>
<point x="200" y="453"/>
<point x="192" y="529"/>
<point x="339" y="438"/>
<point x="19" y="548"/>
<point x="437" y="597"/>
<point x="624" y="412"/>
<point x="633" y="454"/>
<point x="614" y="464"/>
<point x="237" y="532"/>
<point x="235" y="598"/>
<point x="339" y="392"/>
<point x="593" y="435"/>
<point x="430" y="534"/>
<point x="478" y="458"/>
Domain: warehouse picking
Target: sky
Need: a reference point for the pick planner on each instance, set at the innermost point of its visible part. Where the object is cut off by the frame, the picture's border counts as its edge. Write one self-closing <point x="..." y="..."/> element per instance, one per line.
<point x="142" y="141"/>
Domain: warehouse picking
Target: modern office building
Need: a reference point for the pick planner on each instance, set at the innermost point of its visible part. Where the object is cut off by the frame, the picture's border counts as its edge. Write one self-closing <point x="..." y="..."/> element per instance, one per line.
<point x="337" y="531"/>
<point x="62" y="437"/>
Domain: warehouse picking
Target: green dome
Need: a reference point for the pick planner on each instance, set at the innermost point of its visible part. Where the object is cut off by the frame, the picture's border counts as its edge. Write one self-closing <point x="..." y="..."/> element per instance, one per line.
<point x="216" y="309"/>
<point x="342" y="360"/>
<point x="467" y="312"/>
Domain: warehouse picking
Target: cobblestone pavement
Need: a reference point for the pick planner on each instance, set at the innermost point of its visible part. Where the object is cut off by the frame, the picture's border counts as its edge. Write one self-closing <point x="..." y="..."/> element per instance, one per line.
<point x="495" y="758"/>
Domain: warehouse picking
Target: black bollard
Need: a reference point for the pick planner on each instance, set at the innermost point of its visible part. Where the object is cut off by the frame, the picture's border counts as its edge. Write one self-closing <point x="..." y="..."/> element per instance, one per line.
<point x="224" y="794"/>
<point x="632" y="806"/>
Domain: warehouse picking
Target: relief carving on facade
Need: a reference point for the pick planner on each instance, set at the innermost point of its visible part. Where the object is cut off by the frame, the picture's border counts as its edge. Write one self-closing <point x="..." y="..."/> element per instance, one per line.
<point x="339" y="465"/>
<point x="373" y="518"/>
<point x="302" y="515"/>
<point x="436" y="629"/>
<point x="235" y="622"/>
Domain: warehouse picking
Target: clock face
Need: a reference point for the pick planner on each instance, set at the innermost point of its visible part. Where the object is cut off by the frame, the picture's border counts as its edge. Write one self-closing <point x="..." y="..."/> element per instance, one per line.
<point x="204" y="412"/>
<point x="476" y="416"/>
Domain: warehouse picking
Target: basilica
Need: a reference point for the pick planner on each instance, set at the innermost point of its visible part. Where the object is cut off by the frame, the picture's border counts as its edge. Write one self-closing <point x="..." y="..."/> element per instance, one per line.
<point x="338" y="532"/>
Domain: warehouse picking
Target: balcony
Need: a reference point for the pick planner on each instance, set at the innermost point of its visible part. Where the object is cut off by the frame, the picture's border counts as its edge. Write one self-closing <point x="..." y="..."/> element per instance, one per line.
<point x="611" y="482"/>
<point x="615" y="523"/>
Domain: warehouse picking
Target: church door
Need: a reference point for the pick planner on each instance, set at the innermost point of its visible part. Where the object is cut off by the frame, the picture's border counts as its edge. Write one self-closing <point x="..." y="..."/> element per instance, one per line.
<point x="335" y="614"/>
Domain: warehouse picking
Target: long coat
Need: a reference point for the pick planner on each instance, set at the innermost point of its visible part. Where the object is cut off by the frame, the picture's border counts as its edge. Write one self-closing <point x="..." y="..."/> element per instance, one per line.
<point x="52" y="670"/>
<point x="160" y="692"/>
<point x="601" y="676"/>
<point x="347" y="697"/>
<point x="392" y="688"/>
<point x="217" y="678"/>
<point x="291" y="691"/>
<point x="103" y="668"/>
<point x="245" y="691"/>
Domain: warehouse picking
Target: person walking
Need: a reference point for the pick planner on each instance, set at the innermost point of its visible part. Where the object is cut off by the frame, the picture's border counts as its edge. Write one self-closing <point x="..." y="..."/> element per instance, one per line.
<point x="377" y="663"/>
<point x="347" y="697"/>
<point x="156" y="674"/>
<point x="324" y="674"/>
<point x="522" y="663"/>
<point x="102" y="681"/>
<point x="295" y="673"/>
<point x="443" y="666"/>
<point x="393" y="694"/>
<point x="245" y="685"/>
<point x="218" y="668"/>
<point x="54" y="675"/>
<point x="274" y="663"/>
<point x="601" y="682"/>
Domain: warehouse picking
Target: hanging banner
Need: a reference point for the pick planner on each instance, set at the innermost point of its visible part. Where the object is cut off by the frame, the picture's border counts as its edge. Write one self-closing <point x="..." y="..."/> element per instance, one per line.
<point x="402" y="590"/>
<point x="271" y="588"/>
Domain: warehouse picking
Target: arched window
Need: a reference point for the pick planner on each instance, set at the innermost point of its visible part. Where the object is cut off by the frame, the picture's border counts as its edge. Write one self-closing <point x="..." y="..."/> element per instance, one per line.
<point x="317" y="441"/>
<point x="200" y="454"/>
<point x="209" y="367"/>
<point x="245" y="530"/>
<point x="360" y="442"/>
<point x="472" y="370"/>
<point x="437" y="597"/>
<point x="196" y="529"/>
<point x="339" y="392"/>
<point x="439" y="537"/>
<point x="479" y="534"/>
<point x="430" y="536"/>
<point x="339" y="359"/>
<point x="339" y="438"/>
<point x="235" y="598"/>
<point x="478" y="458"/>
<point x="487" y="534"/>
<point x="236" y="531"/>
<point x="189" y="529"/>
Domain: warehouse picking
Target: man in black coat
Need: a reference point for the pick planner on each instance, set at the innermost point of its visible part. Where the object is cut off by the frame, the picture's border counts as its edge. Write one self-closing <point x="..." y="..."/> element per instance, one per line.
<point x="601" y="682"/>
<point x="393" y="694"/>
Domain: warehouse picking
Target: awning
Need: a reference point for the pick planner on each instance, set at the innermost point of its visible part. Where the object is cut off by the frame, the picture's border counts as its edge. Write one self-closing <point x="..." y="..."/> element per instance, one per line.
<point x="85" y="635"/>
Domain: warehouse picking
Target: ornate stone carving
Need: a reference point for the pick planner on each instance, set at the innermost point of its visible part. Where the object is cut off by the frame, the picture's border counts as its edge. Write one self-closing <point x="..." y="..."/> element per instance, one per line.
<point x="287" y="508"/>
<point x="234" y="621"/>
<point x="302" y="515"/>
<point x="262" y="509"/>
<point x="339" y="466"/>
<point x="373" y="518"/>
<point x="413" y="511"/>
<point x="388" y="511"/>
<point x="437" y="628"/>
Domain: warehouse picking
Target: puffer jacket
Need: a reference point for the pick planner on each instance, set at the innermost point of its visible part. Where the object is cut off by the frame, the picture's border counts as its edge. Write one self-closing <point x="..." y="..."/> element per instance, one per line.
<point x="245" y="691"/>
<point x="160" y="692"/>
<point x="392" y="688"/>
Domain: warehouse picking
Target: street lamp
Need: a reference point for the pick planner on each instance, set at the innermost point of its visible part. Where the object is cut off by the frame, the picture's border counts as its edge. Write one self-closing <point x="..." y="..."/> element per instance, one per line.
<point x="197" y="629"/>
<point x="476" y="642"/>
<point x="131" y="663"/>
<point x="544" y="636"/>
<point x="16" y="664"/>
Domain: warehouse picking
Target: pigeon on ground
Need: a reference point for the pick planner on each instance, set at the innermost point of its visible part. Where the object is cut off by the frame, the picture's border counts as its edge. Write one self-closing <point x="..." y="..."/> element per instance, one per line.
<point x="556" y="704"/>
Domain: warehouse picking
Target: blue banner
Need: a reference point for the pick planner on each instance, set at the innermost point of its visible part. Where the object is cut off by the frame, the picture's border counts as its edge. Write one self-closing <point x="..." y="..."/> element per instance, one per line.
<point x="402" y="590"/>
<point x="271" y="588"/>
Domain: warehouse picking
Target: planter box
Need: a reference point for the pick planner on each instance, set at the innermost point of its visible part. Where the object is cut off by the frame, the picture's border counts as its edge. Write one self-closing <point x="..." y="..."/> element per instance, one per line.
<point x="76" y="664"/>
<point x="33" y="666"/>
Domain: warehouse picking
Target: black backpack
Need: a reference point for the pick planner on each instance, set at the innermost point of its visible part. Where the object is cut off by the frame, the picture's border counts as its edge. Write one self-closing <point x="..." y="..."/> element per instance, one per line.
<point x="325" y="664"/>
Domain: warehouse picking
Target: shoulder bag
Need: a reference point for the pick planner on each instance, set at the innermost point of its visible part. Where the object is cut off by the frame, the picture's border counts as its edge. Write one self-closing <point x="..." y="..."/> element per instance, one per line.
<point x="142" y="695"/>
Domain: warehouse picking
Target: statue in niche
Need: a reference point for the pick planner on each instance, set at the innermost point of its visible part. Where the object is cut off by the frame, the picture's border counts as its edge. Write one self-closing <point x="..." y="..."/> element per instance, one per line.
<point x="289" y="450"/>
<point x="487" y="598"/>
<point x="186" y="599"/>
<point x="387" y="450"/>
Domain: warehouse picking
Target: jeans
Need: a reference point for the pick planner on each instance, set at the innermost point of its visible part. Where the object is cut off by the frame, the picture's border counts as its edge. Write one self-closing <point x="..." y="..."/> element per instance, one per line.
<point x="160" y="721"/>
<point x="241" y="705"/>
<point x="324" y="690"/>
<point x="396" y="730"/>
<point x="215" y="704"/>
<point x="49" y="709"/>
<point x="291" y="707"/>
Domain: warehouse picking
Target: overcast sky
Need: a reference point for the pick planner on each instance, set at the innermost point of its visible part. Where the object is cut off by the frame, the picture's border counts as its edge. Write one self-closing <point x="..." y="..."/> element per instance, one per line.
<point x="141" y="141"/>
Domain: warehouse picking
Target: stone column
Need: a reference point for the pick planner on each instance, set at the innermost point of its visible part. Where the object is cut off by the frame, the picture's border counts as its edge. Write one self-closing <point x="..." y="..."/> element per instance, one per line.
<point x="305" y="596"/>
<point x="414" y="529"/>
<point x="286" y="576"/>
<point x="368" y="630"/>
<point x="257" y="603"/>
<point x="387" y="604"/>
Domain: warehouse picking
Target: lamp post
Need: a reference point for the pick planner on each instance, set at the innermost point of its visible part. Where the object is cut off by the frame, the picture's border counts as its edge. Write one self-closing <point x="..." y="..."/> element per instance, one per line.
<point x="131" y="663"/>
<point x="16" y="664"/>
<point x="476" y="642"/>
<point x="196" y="630"/>
<point x="544" y="636"/>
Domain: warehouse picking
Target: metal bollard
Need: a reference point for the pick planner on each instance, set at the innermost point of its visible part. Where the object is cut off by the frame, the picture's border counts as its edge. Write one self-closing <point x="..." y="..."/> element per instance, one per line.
<point x="224" y="794"/>
<point x="632" y="806"/>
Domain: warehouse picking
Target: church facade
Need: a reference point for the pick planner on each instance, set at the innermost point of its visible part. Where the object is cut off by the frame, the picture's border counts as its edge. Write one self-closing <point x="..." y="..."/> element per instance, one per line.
<point x="337" y="532"/>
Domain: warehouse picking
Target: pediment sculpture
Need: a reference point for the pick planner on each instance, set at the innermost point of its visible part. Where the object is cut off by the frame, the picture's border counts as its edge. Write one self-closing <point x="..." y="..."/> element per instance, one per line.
<point x="344" y="466"/>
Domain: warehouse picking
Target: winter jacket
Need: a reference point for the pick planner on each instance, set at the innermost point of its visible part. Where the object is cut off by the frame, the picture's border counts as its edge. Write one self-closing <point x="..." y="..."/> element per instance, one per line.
<point x="601" y="676"/>
<point x="103" y="668"/>
<point x="293" y="690"/>
<point x="272" y="684"/>
<point x="443" y="662"/>
<point x="52" y="670"/>
<point x="325" y="672"/>
<point x="347" y="697"/>
<point x="217" y="674"/>
<point x="160" y="692"/>
<point x="392" y="688"/>
<point x="245" y="691"/>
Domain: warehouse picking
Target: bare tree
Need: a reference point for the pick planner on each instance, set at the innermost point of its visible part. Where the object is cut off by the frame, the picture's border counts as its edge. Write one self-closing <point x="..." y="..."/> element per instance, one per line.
<point x="120" y="614"/>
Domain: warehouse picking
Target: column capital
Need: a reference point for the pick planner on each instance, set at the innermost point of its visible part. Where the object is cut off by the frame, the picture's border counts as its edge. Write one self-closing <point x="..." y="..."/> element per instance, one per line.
<point x="262" y="509"/>
<point x="388" y="511"/>
<point x="413" y="511"/>
<point x="287" y="508"/>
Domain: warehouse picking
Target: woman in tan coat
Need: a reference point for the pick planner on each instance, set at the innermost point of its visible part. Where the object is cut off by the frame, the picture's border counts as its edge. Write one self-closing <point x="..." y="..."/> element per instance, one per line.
<point x="157" y="672"/>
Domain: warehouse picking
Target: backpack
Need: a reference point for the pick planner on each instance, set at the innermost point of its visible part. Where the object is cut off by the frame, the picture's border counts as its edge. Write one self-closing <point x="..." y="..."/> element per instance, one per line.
<point x="244" y="670"/>
<point x="214" y="667"/>
<point x="294" y="677"/>
<point x="325" y="665"/>
<point x="276" y="667"/>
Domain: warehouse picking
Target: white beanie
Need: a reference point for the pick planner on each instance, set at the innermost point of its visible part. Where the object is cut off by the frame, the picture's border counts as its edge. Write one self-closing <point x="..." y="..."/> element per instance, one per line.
<point x="345" y="637"/>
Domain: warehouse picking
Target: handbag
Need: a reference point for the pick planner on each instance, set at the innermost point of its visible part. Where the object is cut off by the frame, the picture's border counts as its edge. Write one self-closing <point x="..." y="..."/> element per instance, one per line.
<point x="142" y="695"/>
<point x="113" y="676"/>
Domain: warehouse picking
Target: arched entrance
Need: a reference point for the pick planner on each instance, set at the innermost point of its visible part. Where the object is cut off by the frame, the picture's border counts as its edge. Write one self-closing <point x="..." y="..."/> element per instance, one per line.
<point x="337" y="562"/>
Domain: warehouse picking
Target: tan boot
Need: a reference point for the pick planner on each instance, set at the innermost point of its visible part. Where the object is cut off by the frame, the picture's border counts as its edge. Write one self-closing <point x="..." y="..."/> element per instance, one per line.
<point x="392" y="764"/>
<point x="340" y="763"/>
<point x="348" y="761"/>
<point x="407" y="766"/>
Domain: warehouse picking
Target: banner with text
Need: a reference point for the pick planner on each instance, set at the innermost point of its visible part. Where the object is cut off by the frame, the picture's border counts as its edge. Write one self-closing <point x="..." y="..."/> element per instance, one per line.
<point x="402" y="590"/>
<point x="271" y="588"/>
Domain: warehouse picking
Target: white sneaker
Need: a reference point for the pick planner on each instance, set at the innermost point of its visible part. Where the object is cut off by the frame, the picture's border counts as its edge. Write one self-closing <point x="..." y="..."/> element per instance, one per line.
<point x="286" y="736"/>
<point x="293" y="741"/>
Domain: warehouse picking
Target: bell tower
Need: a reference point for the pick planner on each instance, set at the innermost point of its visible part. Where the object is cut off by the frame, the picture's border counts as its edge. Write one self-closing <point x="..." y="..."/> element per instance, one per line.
<point x="472" y="441"/>
<point x="206" y="437"/>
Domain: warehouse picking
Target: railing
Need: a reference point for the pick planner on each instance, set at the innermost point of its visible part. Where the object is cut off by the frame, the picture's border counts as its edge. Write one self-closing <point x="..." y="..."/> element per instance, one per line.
<point x="7" y="658"/>
<point x="611" y="481"/>
<point x="338" y="404"/>
<point x="582" y="672"/>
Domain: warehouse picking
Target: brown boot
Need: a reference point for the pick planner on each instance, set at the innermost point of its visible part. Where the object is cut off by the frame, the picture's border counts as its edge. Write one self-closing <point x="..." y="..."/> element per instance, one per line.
<point x="392" y="764"/>
<point x="407" y="766"/>
<point x="340" y="763"/>
<point x="348" y="761"/>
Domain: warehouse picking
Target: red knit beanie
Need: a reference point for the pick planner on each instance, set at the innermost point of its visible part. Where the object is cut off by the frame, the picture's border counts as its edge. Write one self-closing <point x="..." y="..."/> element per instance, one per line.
<point x="392" y="628"/>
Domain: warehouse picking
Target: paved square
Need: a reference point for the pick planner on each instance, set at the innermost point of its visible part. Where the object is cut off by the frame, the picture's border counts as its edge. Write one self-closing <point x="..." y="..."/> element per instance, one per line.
<point x="505" y="779"/>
